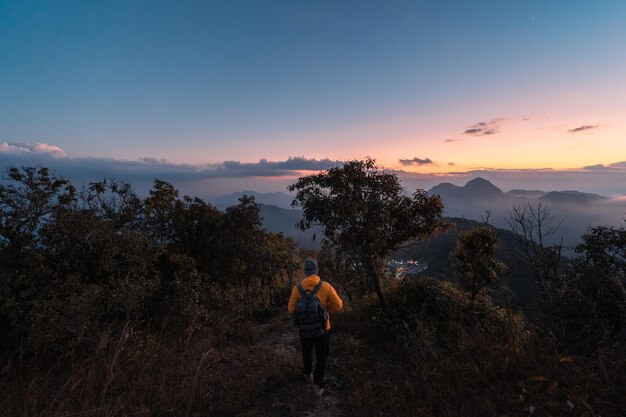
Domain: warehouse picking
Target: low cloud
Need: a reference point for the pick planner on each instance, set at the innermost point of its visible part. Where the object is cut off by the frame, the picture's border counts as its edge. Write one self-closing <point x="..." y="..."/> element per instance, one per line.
<point x="583" y="128"/>
<point x="265" y="168"/>
<point x="484" y="128"/>
<point x="269" y="176"/>
<point x="149" y="160"/>
<point x="154" y="167"/>
<point x="416" y="161"/>
<point x="453" y="140"/>
<point x="31" y="149"/>
<point x="141" y="172"/>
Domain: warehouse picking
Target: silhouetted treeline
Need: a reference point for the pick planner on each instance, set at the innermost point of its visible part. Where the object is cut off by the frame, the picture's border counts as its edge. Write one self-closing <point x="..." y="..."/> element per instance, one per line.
<point x="74" y="261"/>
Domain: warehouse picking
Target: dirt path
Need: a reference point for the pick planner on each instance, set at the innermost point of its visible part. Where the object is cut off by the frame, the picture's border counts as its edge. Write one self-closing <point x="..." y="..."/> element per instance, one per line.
<point x="294" y="397"/>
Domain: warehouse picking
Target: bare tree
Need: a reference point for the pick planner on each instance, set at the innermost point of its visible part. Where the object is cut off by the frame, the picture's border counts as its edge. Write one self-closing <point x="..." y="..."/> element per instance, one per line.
<point x="485" y="218"/>
<point x="533" y="224"/>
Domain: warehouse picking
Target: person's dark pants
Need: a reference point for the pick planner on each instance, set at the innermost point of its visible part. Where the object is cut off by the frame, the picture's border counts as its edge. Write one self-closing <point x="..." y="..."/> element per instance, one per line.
<point x="321" y="356"/>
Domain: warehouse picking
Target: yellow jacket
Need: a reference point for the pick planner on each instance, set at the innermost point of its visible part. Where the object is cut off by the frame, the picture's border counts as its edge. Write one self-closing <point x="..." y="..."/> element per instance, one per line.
<point x="327" y="295"/>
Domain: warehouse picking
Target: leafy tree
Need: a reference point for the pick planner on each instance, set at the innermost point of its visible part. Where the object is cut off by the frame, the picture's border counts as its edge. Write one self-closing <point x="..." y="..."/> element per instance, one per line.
<point x="30" y="199"/>
<point x="277" y="261"/>
<point x="74" y="263"/>
<point x="160" y="207"/>
<point x="346" y="271"/>
<point x="600" y="273"/>
<point x="27" y="202"/>
<point x="365" y="214"/>
<point x="197" y="232"/>
<point x="115" y="201"/>
<point x="605" y="247"/>
<point x="242" y="243"/>
<point x="474" y="263"/>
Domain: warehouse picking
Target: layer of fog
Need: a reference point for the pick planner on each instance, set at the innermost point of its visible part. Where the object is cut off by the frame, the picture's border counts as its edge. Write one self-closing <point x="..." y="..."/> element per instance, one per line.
<point x="572" y="219"/>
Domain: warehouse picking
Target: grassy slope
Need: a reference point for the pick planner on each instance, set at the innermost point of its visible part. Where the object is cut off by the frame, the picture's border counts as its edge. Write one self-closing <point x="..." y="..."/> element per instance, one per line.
<point x="435" y="356"/>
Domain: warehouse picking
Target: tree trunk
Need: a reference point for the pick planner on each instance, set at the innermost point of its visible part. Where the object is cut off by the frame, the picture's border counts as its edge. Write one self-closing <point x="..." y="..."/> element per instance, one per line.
<point x="374" y="273"/>
<point x="379" y="291"/>
<point x="348" y="293"/>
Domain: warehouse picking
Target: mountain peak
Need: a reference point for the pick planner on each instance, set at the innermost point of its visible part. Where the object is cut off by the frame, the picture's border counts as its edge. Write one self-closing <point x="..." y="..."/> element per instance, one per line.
<point x="476" y="188"/>
<point x="481" y="187"/>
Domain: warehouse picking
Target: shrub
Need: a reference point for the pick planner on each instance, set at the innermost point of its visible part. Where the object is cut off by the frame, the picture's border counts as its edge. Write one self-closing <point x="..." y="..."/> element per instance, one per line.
<point x="474" y="263"/>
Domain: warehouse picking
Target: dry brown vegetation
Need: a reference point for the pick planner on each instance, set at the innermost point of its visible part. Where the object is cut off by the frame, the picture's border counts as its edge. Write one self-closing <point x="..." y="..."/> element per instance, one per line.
<point x="434" y="354"/>
<point x="217" y="369"/>
<point x="458" y="359"/>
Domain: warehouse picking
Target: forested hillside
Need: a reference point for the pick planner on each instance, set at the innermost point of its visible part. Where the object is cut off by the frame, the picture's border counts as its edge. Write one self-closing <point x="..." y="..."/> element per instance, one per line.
<point x="116" y="305"/>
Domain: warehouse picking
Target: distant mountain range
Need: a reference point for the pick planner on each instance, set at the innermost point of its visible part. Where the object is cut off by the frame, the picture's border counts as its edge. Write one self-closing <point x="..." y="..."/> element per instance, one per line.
<point x="476" y="188"/>
<point x="480" y="188"/>
<point x="573" y="209"/>
<point x="463" y="206"/>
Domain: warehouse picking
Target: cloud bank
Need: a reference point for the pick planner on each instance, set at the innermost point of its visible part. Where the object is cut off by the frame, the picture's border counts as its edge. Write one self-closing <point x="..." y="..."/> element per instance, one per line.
<point x="140" y="173"/>
<point x="270" y="176"/>
<point x="41" y="154"/>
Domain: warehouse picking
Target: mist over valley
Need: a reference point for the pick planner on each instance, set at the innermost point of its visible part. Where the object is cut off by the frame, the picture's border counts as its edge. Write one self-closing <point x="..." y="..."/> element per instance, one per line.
<point x="478" y="200"/>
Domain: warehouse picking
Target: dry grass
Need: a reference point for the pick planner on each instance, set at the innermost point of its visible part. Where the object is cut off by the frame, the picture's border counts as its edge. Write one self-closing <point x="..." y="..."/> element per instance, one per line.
<point x="218" y="370"/>
<point x="493" y="365"/>
<point x="440" y="357"/>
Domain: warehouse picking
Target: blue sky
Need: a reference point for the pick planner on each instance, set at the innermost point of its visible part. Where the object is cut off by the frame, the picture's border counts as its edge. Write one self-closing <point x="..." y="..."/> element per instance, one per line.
<point x="208" y="82"/>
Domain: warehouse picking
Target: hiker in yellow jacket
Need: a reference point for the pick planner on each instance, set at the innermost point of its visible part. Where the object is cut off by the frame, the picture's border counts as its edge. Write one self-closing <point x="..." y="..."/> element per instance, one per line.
<point x="312" y="333"/>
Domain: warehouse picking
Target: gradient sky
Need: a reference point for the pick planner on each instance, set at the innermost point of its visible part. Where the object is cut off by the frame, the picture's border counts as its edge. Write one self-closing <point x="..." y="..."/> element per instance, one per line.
<point x="441" y="85"/>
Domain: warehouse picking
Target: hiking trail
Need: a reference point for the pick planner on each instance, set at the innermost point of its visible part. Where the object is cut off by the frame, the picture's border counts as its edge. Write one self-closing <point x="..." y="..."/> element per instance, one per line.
<point x="295" y="398"/>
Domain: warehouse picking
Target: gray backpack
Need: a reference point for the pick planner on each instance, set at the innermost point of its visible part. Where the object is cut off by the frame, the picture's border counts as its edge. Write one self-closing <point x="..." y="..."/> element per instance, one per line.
<point x="310" y="315"/>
